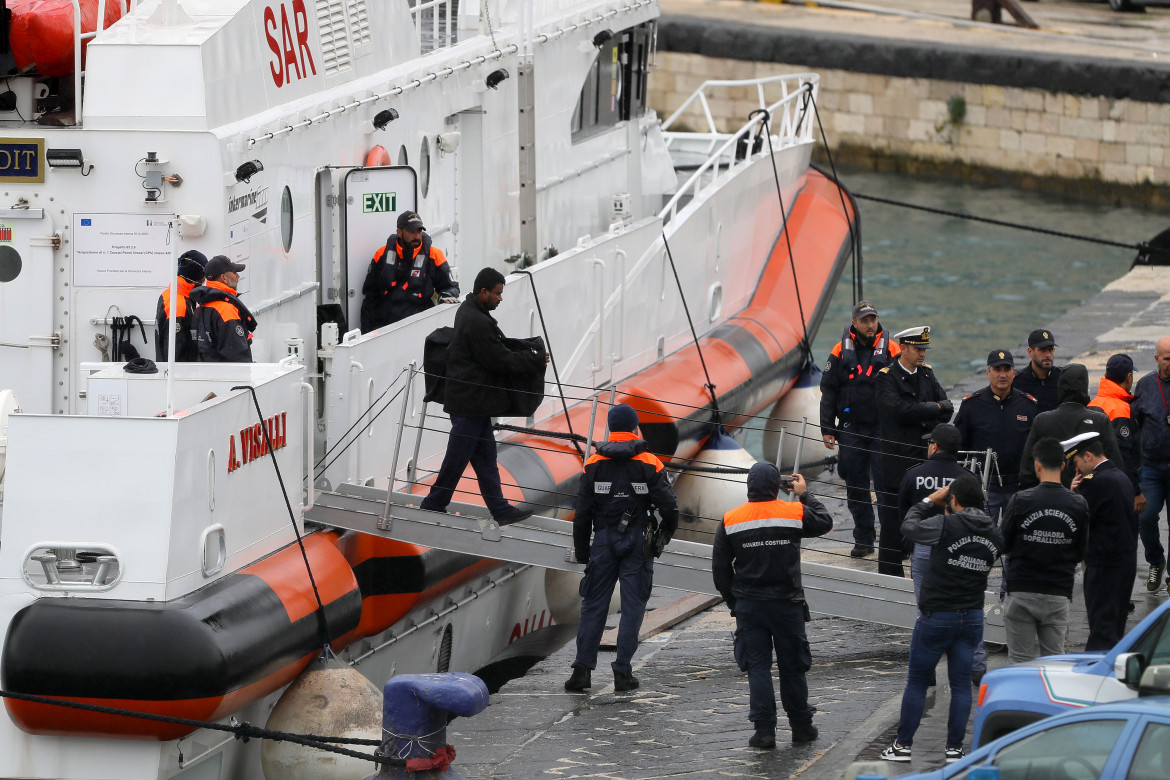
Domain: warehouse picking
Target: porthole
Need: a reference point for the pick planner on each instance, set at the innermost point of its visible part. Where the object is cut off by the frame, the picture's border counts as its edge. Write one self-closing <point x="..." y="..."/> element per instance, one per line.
<point x="10" y="264"/>
<point x="402" y="158"/>
<point x="286" y="218"/>
<point x="424" y="166"/>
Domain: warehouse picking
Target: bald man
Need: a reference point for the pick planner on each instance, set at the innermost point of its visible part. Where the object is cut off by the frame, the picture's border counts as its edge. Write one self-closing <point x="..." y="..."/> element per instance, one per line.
<point x="1151" y="412"/>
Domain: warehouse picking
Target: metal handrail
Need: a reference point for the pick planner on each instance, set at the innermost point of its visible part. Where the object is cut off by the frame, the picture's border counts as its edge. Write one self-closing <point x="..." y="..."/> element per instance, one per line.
<point x="79" y="36"/>
<point x="700" y="94"/>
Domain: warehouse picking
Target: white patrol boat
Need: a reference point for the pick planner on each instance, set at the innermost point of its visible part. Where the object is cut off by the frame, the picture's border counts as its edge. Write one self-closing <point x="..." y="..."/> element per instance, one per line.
<point x="148" y="557"/>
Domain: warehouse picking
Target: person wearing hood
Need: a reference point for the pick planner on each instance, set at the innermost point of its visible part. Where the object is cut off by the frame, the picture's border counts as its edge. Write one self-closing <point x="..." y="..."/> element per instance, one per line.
<point x="849" y="415"/>
<point x="1071" y="417"/>
<point x="405" y="275"/>
<point x="964" y="545"/>
<point x="621" y="483"/>
<point x="224" y="323"/>
<point x="755" y="563"/>
<point x="192" y="270"/>
<point x="1151" y="412"/>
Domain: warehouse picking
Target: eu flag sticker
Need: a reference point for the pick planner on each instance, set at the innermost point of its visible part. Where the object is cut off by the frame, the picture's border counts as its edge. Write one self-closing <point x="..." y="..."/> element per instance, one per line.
<point x="86" y="222"/>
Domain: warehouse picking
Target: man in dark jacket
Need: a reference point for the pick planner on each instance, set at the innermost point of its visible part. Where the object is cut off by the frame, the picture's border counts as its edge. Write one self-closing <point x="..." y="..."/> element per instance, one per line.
<point x="910" y="403"/>
<point x="1114" y="399"/>
<point x="478" y="365"/>
<point x="1111" y="557"/>
<point x="224" y="324"/>
<point x="1151" y="412"/>
<point x="405" y="275"/>
<point x="998" y="418"/>
<point x="1071" y="417"/>
<point x="192" y="270"/>
<point x="1040" y="378"/>
<point x="849" y="415"/>
<point x="621" y="483"/>
<point x="1044" y="533"/>
<point x="964" y="545"/>
<point x="755" y="561"/>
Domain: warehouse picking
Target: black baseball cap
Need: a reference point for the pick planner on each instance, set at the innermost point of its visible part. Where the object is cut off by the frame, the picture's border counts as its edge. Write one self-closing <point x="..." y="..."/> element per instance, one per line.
<point x="1040" y="338"/>
<point x="410" y="220"/>
<point x="863" y="309"/>
<point x="221" y="264"/>
<point x="1119" y="367"/>
<point x="1000" y="357"/>
<point x="946" y="436"/>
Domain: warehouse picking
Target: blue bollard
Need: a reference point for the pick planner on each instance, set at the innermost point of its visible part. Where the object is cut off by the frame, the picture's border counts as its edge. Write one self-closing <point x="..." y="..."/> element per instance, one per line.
<point x="414" y="720"/>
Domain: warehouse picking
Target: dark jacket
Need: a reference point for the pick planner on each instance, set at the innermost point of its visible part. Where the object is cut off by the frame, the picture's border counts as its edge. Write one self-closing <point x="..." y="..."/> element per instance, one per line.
<point x="1116" y="403"/>
<point x="909" y="406"/>
<point x="939" y="471"/>
<point x="1046" y="391"/>
<point x="1044" y="533"/>
<point x="964" y="546"/>
<point x="988" y="422"/>
<point x="479" y="363"/>
<point x="622" y="476"/>
<point x="1113" y="525"/>
<point x="397" y="287"/>
<point x="1073" y="416"/>
<point x="756" y="552"/>
<point x="224" y="325"/>
<point x="186" y="327"/>
<point x="849" y="382"/>
<point x="1153" y="418"/>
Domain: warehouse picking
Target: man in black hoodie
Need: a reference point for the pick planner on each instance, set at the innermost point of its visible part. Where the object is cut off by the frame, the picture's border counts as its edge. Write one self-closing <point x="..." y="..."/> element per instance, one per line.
<point x="1071" y="417"/>
<point x="621" y="483"/>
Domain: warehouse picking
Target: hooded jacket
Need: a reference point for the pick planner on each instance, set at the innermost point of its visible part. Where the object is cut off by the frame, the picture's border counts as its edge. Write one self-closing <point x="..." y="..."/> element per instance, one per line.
<point x="1071" y="417"/>
<point x="186" y="328"/>
<point x="622" y="476"/>
<point x="756" y="552"/>
<point x="1115" y="402"/>
<point x="964" y="546"/>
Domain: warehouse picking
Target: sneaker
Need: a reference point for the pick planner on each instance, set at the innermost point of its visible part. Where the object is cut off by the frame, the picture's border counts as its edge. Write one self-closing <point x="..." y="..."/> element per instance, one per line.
<point x="764" y="740"/>
<point x="1154" y="581"/>
<point x="953" y="754"/>
<point x="896" y="752"/>
<point x="513" y="515"/>
<point x="861" y="550"/>
<point x="977" y="676"/>
<point x="579" y="681"/>
<point x="806" y="734"/>
<point x="624" y="682"/>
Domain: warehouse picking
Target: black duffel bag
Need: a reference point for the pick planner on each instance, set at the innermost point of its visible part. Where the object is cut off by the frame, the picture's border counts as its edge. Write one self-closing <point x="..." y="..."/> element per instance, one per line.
<point x="435" y="363"/>
<point x="526" y="389"/>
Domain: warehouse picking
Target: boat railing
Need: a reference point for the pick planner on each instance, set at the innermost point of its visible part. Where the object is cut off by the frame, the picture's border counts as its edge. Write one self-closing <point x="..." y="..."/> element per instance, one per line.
<point x="80" y="37"/>
<point x="436" y="22"/>
<point x="725" y="152"/>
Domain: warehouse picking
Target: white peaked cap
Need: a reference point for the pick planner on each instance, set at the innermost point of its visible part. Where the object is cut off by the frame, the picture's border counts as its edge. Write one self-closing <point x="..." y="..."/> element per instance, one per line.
<point x="1071" y="445"/>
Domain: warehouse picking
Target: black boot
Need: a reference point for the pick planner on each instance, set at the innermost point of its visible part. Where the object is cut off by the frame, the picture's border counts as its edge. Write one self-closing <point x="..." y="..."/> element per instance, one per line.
<point x="805" y="734"/>
<point x="580" y="680"/>
<point x="624" y="682"/>
<point x="764" y="740"/>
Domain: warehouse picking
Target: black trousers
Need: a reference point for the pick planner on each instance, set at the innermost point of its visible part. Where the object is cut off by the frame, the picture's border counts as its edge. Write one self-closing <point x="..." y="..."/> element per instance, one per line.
<point x="1107" y="592"/>
<point x="890" y="534"/>
<point x="762" y="626"/>
<point x="473" y="442"/>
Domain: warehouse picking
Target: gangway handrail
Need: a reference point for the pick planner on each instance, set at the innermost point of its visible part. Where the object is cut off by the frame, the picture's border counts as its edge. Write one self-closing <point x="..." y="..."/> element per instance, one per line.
<point x="791" y="130"/>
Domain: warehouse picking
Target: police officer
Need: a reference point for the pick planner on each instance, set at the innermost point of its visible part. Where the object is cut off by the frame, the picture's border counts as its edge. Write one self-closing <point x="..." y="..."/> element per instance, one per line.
<point x="224" y="323"/>
<point x="755" y="562"/>
<point x="998" y="418"/>
<point x="1040" y="378"/>
<point x="620" y="485"/>
<point x="192" y="269"/>
<point x="849" y="415"/>
<point x="910" y="403"/>
<point x="404" y="276"/>
<point x="1114" y="399"/>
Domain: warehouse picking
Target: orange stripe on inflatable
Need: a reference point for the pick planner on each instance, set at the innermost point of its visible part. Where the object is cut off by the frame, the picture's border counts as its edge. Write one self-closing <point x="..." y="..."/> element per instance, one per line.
<point x="285" y="573"/>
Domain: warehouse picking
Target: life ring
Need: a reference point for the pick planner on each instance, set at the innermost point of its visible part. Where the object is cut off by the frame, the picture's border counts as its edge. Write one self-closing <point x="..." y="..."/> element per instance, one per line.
<point x="378" y="156"/>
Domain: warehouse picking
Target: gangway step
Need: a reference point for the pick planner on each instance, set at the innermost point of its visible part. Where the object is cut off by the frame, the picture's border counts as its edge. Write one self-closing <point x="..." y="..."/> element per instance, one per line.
<point x="545" y="541"/>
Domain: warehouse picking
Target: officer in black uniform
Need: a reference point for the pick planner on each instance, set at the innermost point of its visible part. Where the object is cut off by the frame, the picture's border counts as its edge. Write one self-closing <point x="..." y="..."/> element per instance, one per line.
<point x="849" y="415"/>
<point x="1040" y="378"/>
<point x="910" y="403"/>
<point x="621" y="483"/>
<point x="405" y="275"/>
<point x="998" y="418"/>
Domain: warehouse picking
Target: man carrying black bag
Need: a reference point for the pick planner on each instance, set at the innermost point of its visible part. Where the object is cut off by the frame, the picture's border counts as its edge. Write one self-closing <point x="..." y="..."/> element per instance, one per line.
<point x="481" y="369"/>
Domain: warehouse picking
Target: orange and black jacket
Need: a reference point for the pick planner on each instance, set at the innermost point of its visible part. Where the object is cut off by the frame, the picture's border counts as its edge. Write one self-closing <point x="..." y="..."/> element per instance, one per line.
<point x="849" y="382"/>
<point x="1115" y="402"/>
<point x="623" y="475"/>
<point x="224" y="325"/>
<point x="397" y="287"/>
<point x="756" y="552"/>
<point x="185" y="326"/>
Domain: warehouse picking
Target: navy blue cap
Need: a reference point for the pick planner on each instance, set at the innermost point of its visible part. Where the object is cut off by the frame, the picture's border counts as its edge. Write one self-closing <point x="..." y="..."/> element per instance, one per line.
<point x="1119" y="367"/>
<point x="623" y="418"/>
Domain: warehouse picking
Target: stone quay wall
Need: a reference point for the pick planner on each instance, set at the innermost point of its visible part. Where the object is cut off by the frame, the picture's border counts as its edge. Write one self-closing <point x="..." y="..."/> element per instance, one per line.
<point x="1074" y="124"/>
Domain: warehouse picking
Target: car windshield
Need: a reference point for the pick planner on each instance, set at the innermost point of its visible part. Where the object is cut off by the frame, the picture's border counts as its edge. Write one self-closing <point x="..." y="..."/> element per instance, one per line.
<point x="1073" y="751"/>
<point x="1154" y="645"/>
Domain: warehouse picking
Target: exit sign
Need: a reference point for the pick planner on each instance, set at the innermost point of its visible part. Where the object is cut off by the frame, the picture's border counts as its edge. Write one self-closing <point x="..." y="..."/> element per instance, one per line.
<point x="379" y="202"/>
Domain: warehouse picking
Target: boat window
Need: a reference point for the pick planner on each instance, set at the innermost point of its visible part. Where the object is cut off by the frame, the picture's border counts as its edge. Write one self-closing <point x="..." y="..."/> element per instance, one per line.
<point x="403" y="159"/>
<point x="424" y="167"/>
<point x="286" y="218"/>
<point x="615" y="87"/>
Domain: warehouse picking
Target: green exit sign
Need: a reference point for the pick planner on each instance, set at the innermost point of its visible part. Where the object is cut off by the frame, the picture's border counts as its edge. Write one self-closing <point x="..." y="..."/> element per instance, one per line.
<point x="379" y="202"/>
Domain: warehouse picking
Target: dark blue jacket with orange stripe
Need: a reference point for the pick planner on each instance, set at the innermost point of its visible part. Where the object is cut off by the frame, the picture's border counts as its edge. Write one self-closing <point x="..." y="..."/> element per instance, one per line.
<point x="756" y="553"/>
<point x="397" y="287"/>
<point x="849" y="382"/>
<point x="622" y="475"/>
<point x="224" y="325"/>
